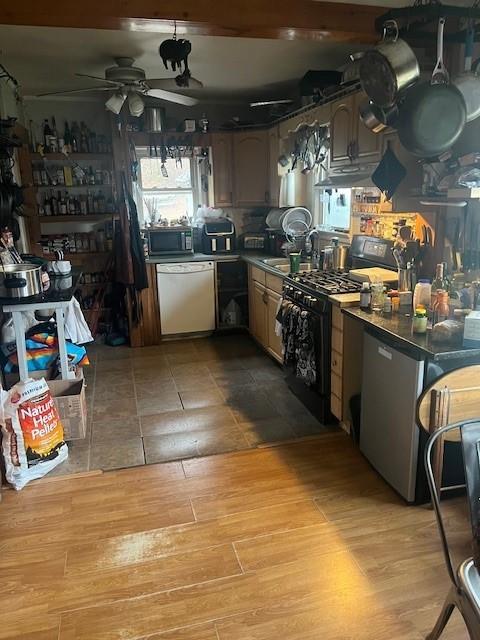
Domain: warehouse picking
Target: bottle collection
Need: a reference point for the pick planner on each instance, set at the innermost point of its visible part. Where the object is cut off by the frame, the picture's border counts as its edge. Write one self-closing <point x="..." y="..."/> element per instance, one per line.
<point x="47" y="175"/>
<point x="92" y="242"/>
<point x="76" y="138"/>
<point x="62" y="203"/>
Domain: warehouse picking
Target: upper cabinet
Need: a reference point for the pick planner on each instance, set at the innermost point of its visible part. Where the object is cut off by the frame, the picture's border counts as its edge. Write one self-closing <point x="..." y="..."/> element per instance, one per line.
<point x="367" y="145"/>
<point x="251" y="171"/>
<point x="273" y="154"/>
<point x="222" y="152"/>
<point x="341" y="132"/>
<point x="351" y="141"/>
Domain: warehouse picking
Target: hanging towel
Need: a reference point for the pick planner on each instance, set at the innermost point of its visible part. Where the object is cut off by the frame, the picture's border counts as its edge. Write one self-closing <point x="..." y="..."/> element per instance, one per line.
<point x="76" y="328"/>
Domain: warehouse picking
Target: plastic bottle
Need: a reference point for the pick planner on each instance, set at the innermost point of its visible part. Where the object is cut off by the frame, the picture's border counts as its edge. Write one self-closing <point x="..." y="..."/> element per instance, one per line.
<point x="422" y="294"/>
<point x="365" y="296"/>
<point x="420" y="320"/>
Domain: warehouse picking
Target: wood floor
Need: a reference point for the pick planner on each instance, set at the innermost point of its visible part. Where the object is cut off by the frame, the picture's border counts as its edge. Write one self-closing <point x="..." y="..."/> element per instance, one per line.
<point x="296" y="542"/>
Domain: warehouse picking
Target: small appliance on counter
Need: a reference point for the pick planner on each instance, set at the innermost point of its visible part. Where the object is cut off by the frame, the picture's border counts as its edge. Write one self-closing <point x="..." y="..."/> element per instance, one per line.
<point x="275" y="241"/>
<point x="218" y="236"/>
<point x="163" y="241"/>
<point x="253" y="242"/>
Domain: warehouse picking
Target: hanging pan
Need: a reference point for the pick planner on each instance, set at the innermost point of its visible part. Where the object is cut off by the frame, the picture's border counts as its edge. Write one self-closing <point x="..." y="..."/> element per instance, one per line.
<point x="433" y="115"/>
<point x="468" y="82"/>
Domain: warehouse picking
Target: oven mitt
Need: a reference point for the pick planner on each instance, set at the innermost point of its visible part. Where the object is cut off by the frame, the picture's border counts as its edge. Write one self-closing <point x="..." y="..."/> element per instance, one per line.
<point x="389" y="173"/>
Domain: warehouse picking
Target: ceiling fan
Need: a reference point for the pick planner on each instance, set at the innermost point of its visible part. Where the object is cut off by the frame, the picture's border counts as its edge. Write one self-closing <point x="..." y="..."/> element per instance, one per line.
<point x="130" y="84"/>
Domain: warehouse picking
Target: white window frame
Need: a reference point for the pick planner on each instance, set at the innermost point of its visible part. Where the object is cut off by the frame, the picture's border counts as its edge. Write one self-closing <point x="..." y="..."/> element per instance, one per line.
<point x="143" y="152"/>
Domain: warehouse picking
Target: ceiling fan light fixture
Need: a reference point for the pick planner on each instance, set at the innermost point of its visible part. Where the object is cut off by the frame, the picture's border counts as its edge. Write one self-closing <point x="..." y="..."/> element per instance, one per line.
<point x="136" y="105"/>
<point x="115" y="103"/>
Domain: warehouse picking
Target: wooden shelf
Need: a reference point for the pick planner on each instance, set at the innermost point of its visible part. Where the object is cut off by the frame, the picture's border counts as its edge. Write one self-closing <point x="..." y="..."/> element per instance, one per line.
<point x="37" y="157"/>
<point x="63" y="187"/>
<point x="77" y="218"/>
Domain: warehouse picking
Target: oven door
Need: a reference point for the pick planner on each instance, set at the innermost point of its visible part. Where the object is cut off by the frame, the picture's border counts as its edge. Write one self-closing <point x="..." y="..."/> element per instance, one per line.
<point x="169" y="241"/>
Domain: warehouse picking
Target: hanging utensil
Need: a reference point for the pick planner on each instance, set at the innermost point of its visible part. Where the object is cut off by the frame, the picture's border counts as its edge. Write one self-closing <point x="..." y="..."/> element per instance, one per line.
<point x="375" y="118"/>
<point x="433" y="115"/>
<point x="389" y="68"/>
<point x="468" y="82"/>
<point x="389" y="173"/>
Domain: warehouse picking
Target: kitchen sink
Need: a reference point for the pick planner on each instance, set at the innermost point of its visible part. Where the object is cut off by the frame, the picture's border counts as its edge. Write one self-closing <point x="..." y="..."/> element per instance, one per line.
<point x="273" y="262"/>
<point x="285" y="268"/>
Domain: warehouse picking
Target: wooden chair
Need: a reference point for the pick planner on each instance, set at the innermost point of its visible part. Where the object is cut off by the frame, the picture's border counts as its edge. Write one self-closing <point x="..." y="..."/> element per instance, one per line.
<point x="450" y="410"/>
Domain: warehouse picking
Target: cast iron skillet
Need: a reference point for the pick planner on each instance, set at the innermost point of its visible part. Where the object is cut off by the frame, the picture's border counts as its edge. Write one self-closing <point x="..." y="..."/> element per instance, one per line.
<point x="433" y="115"/>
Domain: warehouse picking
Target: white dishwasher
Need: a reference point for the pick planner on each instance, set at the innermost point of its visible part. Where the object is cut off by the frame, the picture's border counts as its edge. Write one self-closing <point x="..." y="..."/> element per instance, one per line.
<point x="186" y="296"/>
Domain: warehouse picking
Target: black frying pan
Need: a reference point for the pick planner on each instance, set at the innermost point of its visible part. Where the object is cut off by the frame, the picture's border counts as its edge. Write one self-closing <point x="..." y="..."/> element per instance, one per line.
<point x="433" y="115"/>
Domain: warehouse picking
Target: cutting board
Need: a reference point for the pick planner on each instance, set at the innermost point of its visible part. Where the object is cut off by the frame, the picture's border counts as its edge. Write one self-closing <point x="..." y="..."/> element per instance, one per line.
<point x="373" y="273"/>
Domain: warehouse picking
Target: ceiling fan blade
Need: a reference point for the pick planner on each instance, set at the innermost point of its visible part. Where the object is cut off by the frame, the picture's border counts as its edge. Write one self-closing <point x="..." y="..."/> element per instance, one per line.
<point x="178" y="98"/>
<point x="58" y="93"/>
<point x="171" y="84"/>
<point x="86" y="75"/>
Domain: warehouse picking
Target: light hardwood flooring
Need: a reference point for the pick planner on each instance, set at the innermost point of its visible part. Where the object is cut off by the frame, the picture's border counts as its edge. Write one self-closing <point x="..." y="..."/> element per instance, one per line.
<point x="299" y="541"/>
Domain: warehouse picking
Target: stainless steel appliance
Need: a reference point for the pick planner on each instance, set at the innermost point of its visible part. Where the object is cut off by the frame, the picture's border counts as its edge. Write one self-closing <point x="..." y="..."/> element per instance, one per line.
<point x="369" y="251"/>
<point x="21" y="280"/>
<point x="218" y="236"/>
<point x="391" y="384"/>
<point x="275" y="242"/>
<point x="164" y="241"/>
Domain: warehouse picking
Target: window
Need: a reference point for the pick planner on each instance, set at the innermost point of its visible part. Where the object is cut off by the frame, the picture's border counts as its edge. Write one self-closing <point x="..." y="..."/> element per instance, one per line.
<point x="165" y="195"/>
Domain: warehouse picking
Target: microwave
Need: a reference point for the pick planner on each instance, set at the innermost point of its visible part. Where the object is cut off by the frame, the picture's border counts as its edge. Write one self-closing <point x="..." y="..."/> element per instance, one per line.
<point x="164" y="241"/>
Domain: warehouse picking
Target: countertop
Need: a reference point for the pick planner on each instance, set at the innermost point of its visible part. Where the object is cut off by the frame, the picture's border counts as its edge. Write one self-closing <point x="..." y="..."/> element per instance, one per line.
<point x="341" y="300"/>
<point x="61" y="289"/>
<point x="398" y="326"/>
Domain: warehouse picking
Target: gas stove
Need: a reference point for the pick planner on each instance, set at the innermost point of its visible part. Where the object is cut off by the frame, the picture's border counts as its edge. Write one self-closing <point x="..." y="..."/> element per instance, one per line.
<point x="323" y="282"/>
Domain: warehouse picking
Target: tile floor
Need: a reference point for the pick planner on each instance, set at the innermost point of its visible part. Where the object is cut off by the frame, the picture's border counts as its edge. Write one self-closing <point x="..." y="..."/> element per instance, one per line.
<point x="183" y="399"/>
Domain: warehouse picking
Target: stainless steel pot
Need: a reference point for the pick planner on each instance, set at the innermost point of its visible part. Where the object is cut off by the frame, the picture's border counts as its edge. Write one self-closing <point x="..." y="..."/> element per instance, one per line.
<point x="154" y="119"/>
<point x="21" y="280"/>
<point x="375" y="118"/>
<point x="389" y="68"/>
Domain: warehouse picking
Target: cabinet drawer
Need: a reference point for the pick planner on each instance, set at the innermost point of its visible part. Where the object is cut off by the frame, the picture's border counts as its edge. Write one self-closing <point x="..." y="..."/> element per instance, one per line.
<point x="337" y="363"/>
<point x="336" y="385"/>
<point x="336" y="406"/>
<point x="337" y="318"/>
<point x="258" y="275"/>
<point x="337" y="340"/>
<point x="274" y="283"/>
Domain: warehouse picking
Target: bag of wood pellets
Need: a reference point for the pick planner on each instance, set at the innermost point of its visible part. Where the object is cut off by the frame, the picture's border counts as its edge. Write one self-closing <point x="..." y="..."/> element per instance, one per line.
<point x="32" y="441"/>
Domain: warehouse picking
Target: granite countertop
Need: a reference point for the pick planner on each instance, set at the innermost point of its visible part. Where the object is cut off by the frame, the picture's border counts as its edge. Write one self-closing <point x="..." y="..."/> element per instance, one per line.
<point x="61" y="289"/>
<point x="398" y="326"/>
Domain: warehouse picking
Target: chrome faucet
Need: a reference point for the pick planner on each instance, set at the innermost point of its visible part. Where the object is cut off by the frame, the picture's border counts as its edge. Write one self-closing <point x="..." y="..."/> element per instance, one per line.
<point x="311" y="249"/>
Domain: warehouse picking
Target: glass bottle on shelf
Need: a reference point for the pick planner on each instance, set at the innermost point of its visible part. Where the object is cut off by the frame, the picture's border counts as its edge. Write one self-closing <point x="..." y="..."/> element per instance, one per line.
<point x="83" y="138"/>
<point x="63" y="205"/>
<point x="67" y="137"/>
<point x="54" y="137"/>
<point x="47" y="132"/>
<point x="91" y="176"/>
<point x="75" y="137"/>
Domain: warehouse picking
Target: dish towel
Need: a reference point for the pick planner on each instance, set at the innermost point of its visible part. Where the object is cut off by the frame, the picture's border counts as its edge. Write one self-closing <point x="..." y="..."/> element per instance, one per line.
<point x="76" y="328"/>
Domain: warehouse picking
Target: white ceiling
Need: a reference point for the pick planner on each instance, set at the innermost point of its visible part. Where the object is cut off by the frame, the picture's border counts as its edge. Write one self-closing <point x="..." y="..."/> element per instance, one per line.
<point x="232" y="69"/>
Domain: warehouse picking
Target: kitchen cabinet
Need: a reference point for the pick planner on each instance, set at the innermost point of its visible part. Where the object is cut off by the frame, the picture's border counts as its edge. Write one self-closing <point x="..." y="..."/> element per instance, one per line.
<point x="341" y="132"/>
<point x="265" y="292"/>
<point x="367" y="145"/>
<point x="351" y="141"/>
<point x="251" y="171"/>
<point x="346" y="365"/>
<point x="273" y="154"/>
<point x="222" y="152"/>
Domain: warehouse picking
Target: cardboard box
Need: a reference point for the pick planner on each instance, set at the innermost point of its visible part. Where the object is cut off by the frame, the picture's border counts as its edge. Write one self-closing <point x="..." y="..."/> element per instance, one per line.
<point x="69" y="397"/>
<point x="471" y="334"/>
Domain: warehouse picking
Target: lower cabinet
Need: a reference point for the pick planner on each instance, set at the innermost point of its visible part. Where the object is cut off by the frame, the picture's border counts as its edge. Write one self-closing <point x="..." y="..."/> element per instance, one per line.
<point x="264" y="296"/>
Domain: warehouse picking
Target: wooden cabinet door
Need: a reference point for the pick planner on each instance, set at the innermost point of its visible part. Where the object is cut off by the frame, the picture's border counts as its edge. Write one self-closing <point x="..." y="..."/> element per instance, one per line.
<point x="341" y="132"/>
<point x="259" y="313"/>
<point x="273" y="154"/>
<point x="367" y="145"/>
<point x="250" y="162"/>
<point x="274" y="341"/>
<point x="222" y="159"/>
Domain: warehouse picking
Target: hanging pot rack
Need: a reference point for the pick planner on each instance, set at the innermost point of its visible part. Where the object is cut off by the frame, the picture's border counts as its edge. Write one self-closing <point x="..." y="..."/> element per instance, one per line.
<point x="418" y="23"/>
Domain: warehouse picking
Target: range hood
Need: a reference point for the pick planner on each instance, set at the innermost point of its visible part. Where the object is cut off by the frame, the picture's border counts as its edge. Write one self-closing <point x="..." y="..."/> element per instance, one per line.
<point x="346" y="177"/>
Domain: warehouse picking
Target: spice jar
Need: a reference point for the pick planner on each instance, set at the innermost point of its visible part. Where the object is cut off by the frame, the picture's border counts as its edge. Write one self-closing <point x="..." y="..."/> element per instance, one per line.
<point x="420" y="320"/>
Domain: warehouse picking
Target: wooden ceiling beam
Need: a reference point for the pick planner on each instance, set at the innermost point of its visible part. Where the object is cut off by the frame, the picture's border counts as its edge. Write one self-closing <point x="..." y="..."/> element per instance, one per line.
<point x="279" y="19"/>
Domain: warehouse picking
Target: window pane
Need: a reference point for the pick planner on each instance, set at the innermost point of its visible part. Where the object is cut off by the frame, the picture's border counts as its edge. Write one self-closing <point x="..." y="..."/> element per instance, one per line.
<point x="167" y="205"/>
<point x="178" y="177"/>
